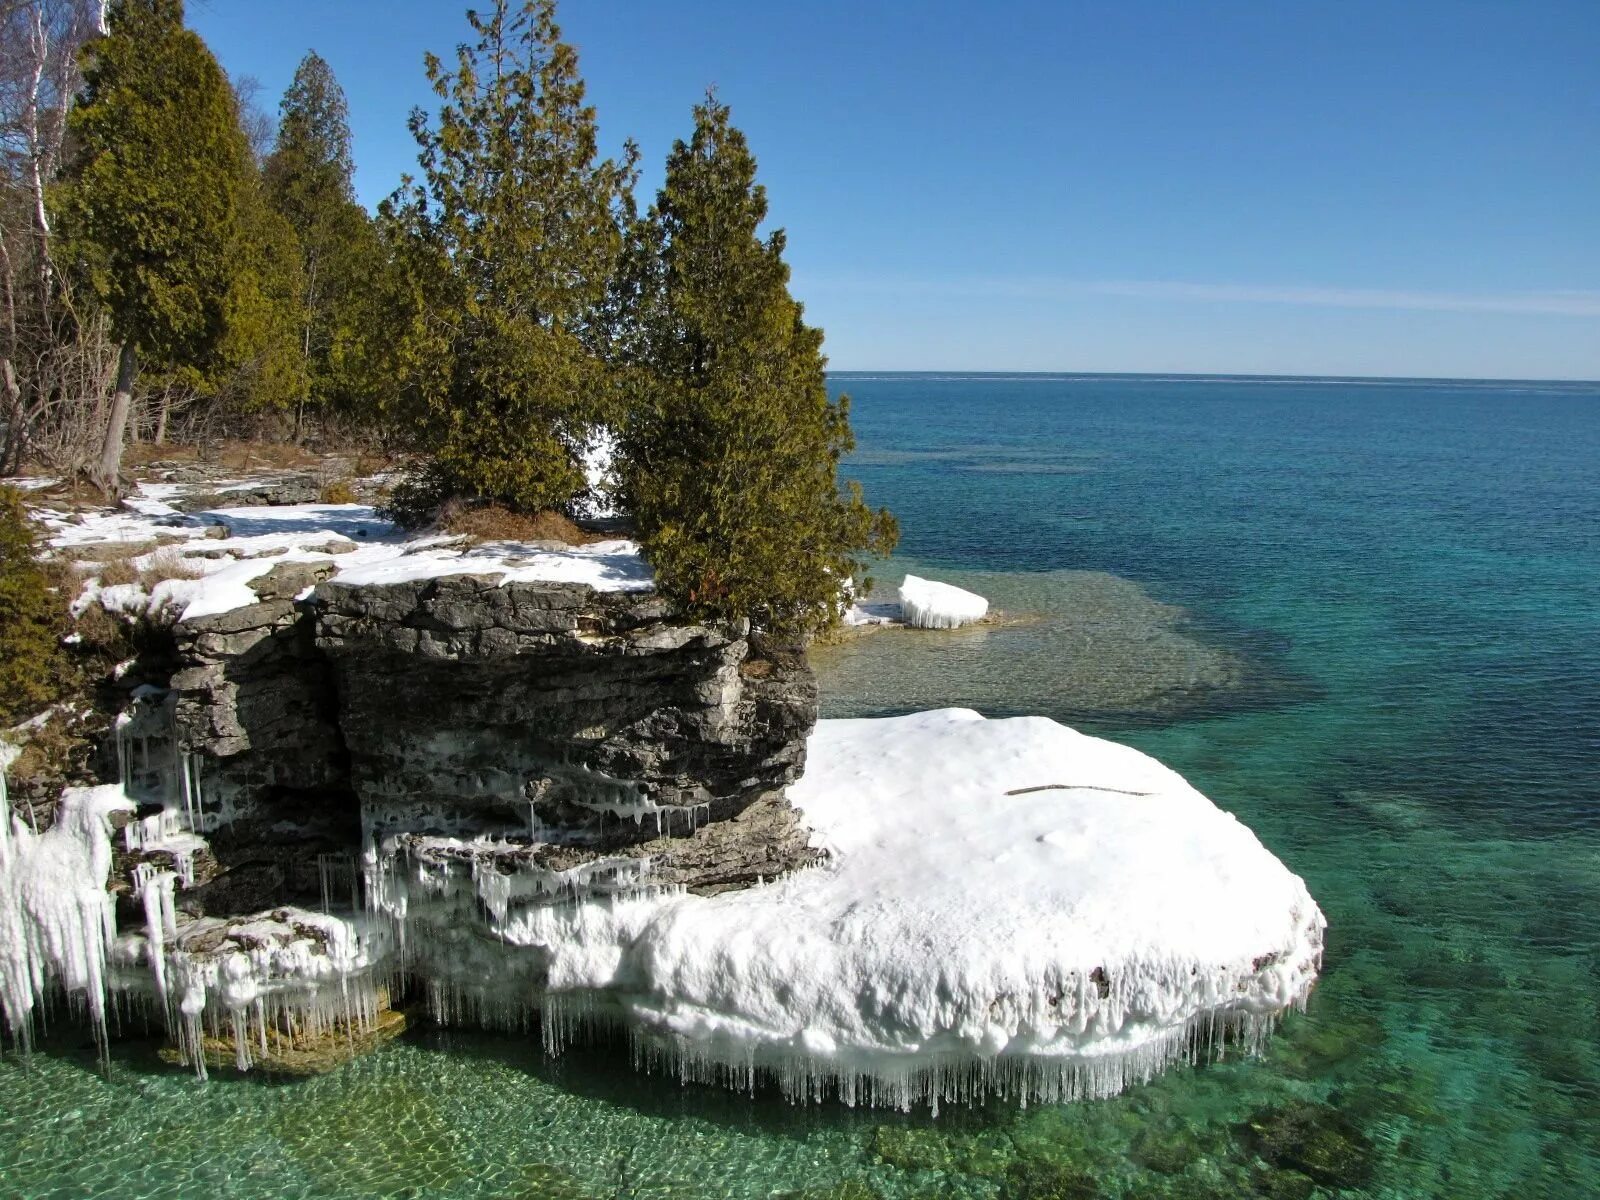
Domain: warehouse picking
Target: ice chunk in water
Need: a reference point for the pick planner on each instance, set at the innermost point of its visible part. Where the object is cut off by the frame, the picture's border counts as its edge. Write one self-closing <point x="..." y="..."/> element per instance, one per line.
<point x="928" y="604"/>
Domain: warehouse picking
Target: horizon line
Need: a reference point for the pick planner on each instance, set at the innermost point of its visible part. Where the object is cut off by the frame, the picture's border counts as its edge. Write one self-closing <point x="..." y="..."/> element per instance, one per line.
<point x="1254" y="375"/>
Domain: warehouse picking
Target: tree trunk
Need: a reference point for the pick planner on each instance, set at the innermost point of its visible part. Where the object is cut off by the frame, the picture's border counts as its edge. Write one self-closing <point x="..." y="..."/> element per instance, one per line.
<point x="107" y="475"/>
<point x="11" y="449"/>
<point x="161" y="419"/>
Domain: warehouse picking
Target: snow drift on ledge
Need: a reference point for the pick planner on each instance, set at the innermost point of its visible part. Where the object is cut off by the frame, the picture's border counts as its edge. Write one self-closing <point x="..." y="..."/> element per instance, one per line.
<point x="362" y="546"/>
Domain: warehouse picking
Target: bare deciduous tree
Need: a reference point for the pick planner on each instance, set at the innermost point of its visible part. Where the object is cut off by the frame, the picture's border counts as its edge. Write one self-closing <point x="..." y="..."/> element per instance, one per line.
<point x="53" y="368"/>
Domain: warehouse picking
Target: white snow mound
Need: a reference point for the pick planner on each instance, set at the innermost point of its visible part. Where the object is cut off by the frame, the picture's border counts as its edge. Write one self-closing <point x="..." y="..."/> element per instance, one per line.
<point x="927" y="604"/>
<point x="1008" y="906"/>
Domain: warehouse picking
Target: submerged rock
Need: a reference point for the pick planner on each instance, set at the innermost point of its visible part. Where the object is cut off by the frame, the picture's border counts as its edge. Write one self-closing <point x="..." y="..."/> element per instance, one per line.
<point x="301" y="1051"/>
<point x="1084" y="644"/>
<point x="1316" y="1141"/>
<point x="1036" y="1179"/>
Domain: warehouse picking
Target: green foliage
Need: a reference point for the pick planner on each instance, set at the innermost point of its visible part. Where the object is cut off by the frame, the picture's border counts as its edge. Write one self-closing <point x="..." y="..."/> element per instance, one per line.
<point x="502" y="258"/>
<point x="308" y="179"/>
<point x="151" y="205"/>
<point x="28" y="616"/>
<point x="728" y="460"/>
<point x="261" y="342"/>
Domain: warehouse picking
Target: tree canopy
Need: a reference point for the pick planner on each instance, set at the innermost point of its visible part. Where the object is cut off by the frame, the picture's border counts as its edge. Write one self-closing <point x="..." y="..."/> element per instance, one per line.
<point x="508" y="309"/>
<point x="507" y="245"/>
<point x="309" y="181"/>
<point x="152" y="198"/>
<point x="731" y="449"/>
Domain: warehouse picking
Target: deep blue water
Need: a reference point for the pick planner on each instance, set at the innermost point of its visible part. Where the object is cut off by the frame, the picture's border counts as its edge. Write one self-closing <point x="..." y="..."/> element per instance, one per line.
<point x="1430" y="547"/>
<point x="1413" y="566"/>
<point x="1426" y="556"/>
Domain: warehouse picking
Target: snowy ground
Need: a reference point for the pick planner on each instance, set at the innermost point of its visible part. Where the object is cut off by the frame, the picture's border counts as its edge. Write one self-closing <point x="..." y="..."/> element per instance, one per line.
<point x="364" y="547"/>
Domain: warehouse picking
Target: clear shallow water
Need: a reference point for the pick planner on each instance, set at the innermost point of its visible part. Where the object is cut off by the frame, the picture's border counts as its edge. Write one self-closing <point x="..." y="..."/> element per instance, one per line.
<point x="1411" y="576"/>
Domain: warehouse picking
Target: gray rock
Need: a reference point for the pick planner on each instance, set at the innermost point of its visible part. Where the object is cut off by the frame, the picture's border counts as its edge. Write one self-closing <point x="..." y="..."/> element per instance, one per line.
<point x="459" y="704"/>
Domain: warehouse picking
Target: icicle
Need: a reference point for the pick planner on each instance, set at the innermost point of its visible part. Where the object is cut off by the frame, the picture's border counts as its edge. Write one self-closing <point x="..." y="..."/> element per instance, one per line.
<point x="154" y="886"/>
<point x="8" y="755"/>
<point x="123" y="769"/>
<point x="56" y="919"/>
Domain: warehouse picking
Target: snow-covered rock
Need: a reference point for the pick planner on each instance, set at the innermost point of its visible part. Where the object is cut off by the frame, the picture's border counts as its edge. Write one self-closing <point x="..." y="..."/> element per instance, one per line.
<point x="928" y="604"/>
<point x="1008" y="906"/>
<point x="360" y="545"/>
<point x="1002" y="906"/>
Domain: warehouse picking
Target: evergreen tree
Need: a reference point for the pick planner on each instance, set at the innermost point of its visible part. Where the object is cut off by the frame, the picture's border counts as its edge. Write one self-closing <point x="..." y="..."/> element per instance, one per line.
<point x="309" y="178"/>
<point x="729" y="459"/>
<point x="151" y="206"/>
<point x="261" y="356"/>
<point x="28" y="617"/>
<point x="507" y="245"/>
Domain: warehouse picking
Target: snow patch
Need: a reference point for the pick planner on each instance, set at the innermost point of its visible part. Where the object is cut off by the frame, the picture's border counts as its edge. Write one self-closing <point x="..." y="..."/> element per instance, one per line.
<point x="364" y="547"/>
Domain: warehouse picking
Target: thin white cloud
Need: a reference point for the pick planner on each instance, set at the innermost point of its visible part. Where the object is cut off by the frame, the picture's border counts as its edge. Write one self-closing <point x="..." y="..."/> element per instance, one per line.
<point x="1549" y="303"/>
<point x="1561" y="303"/>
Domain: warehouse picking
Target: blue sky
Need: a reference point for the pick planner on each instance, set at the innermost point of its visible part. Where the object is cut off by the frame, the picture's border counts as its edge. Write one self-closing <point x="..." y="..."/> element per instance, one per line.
<point x="1129" y="185"/>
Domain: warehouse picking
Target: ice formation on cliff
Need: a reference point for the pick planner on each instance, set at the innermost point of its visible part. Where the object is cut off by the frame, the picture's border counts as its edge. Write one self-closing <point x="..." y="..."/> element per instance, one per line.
<point x="927" y="604"/>
<point x="56" y="919"/>
<point x="1007" y="907"/>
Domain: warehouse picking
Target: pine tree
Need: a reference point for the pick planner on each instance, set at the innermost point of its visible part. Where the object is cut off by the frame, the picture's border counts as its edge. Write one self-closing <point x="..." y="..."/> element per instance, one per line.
<point x="151" y="205"/>
<point x="729" y="458"/>
<point x="309" y="179"/>
<point x="261" y="357"/>
<point x="508" y="245"/>
<point x="28" y="618"/>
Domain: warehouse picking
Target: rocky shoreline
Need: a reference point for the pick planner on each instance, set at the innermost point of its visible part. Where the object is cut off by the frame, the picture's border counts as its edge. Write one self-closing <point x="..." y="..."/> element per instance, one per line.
<point x="509" y="784"/>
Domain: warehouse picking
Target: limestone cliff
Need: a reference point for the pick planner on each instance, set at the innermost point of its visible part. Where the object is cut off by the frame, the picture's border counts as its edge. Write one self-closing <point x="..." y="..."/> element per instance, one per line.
<point x="586" y="724"/>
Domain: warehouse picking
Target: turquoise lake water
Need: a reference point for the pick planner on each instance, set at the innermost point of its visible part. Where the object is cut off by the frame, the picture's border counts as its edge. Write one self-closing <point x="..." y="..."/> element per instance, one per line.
<point x="1409" y="573"/>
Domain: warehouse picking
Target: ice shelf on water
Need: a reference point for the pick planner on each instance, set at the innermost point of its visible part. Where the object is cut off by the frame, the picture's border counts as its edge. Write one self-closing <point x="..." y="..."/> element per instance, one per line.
<point x="1004" y="907"/>
<point x="1007" y="907"/>
<point x="928" y="604"/>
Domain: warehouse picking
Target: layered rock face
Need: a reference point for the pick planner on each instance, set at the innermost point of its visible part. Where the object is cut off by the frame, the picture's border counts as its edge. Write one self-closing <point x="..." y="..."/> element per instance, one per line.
<point x="583" y="723"/>
<point x="589" y="722"/>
